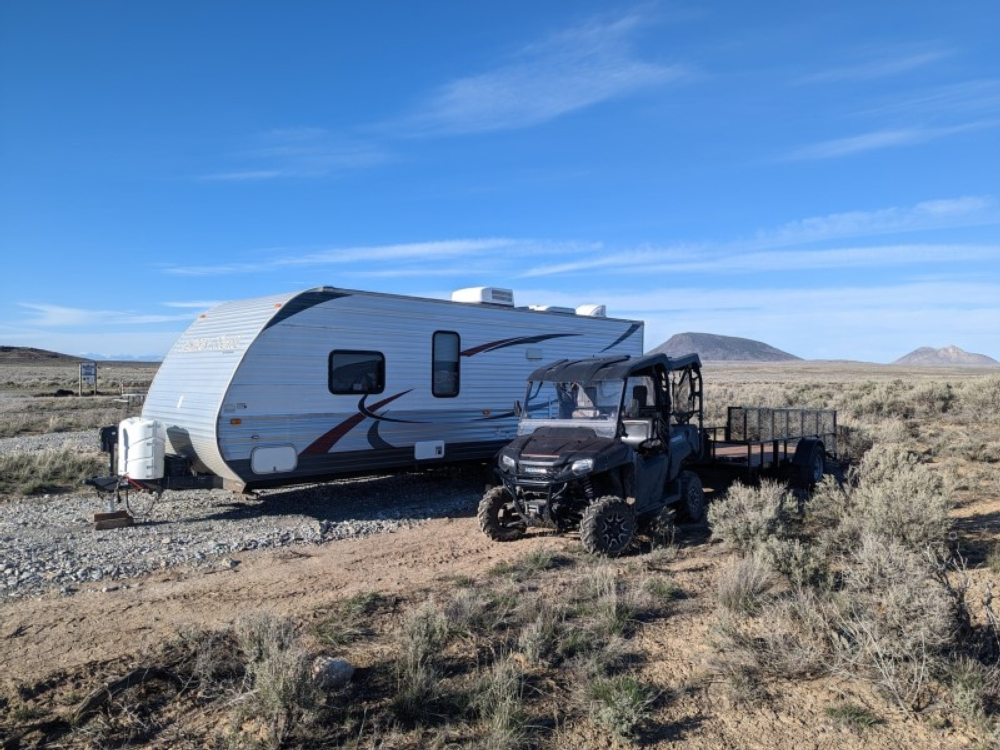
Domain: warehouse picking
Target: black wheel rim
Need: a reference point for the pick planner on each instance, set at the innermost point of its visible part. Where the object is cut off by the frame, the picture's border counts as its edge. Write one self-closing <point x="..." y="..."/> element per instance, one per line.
<point x="615" y="529"/>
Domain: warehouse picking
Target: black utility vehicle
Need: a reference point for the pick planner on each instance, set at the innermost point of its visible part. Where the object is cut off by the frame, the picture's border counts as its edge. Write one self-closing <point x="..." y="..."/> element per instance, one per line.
<point x="608" y="446"/>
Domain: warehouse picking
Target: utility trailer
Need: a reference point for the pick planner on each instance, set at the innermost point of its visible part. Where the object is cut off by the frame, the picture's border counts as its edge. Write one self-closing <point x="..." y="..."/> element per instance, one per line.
<point x="616" y="446"/>
<point x="759" y="440"/>
<point x="325" y="383"/>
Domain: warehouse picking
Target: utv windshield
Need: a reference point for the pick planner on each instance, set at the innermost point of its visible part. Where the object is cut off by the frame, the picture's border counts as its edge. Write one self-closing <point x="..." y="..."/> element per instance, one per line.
<point x="594" y="404"/>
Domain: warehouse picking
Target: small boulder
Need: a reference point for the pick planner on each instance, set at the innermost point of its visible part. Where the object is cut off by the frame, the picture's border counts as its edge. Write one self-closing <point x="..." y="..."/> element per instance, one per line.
<point x="331" y="674"/>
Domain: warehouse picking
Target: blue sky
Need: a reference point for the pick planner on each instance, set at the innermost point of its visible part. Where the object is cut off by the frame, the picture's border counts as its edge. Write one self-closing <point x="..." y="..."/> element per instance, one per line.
<point x="821" y="177"/>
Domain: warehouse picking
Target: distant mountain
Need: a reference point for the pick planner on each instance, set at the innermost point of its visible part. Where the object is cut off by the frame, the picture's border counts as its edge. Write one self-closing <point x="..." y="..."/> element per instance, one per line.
<point x="714" y="348"/>
<point x="949" y="355"/>
<point x="26" y="355"/>
<point x="137" y="358"/>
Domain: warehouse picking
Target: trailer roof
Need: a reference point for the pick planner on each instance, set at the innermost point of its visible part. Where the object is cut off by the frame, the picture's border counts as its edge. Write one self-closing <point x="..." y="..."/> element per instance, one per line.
<point x="609" y="368"/>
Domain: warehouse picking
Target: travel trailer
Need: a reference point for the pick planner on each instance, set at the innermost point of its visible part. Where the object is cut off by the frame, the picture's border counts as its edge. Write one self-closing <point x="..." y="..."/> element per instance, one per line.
<point x="325" y="383"/>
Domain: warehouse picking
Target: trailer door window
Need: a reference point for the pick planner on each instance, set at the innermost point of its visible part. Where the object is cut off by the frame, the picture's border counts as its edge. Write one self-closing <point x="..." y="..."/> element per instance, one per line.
<point x="356" y="372"/>
<point x="445" y="361"/>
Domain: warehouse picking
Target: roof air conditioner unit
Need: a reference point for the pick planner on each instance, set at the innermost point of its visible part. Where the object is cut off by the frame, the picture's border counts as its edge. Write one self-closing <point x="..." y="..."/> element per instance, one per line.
<point x="592" y="311"/>
<point x="484" y="295"/>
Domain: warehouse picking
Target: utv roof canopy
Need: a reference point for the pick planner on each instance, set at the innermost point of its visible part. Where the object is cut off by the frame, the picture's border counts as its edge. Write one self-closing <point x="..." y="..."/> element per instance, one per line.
<point x="608" y="368"/>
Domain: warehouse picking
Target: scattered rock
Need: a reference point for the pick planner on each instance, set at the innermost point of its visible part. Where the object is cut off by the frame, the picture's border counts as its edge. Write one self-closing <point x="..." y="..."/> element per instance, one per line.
<point x="331" y="674"/>
<point x="49" y="544"/>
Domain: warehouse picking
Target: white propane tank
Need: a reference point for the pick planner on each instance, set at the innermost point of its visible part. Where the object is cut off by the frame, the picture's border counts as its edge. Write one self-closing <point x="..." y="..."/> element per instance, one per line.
<point x="141" y="447"/>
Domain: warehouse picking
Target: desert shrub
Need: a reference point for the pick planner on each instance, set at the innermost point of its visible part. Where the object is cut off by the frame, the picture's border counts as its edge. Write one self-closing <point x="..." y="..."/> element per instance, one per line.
<point x="541" y="639"/>
<point x="620" y="704"/>
<point x="898" y="496"/>
<point x="982" y="397"/>
<point x="788" y="638"/>
<point x="476" y="612"/>
<point x="282" y="691"/>
<point x="422" y="635"/>
<point x="805" y="565"/>
<point x="893" y="618"/>
<point x="46" y="471"/>
<point x="742" y="583"/>
<point x="347" y="622"/>
<point x="879" y="400"/>
<point x="610" y="605"/>
<point x="973" y="686"/>
<point x="934" y="398"/>
<point x="500" y="706"/>
<point x="748" y="515"/>
<point x="854" y="440"/>
<point x="993" y="558"/>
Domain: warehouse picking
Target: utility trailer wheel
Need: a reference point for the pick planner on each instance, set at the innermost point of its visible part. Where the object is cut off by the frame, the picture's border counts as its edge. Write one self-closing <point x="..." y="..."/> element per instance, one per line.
<point x="692" y="506"/>
<point x="497" y="517"/>
<point x="608" y="526"/>
<point x="812" y="469"/>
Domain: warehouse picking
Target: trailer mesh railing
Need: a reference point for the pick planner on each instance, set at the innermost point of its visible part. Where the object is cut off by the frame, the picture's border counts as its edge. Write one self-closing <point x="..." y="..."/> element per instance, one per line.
<point x="753" y="424"/>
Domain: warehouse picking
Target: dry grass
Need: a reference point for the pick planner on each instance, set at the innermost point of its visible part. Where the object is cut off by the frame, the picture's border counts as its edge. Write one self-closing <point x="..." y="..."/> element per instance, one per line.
<point x="551" y="647"/>
<point x="46" y="471"/>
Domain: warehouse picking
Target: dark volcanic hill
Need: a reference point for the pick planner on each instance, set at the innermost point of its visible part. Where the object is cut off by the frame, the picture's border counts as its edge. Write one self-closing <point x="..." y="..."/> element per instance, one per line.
<point x="714" y="348"/>
<point x="26" y="355"/>
<point x="949" y="355"/>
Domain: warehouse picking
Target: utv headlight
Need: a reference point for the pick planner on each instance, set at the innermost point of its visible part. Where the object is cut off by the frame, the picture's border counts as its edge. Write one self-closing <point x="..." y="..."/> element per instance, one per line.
<point x="582" y="466"/>
<point x="508" y="463"/>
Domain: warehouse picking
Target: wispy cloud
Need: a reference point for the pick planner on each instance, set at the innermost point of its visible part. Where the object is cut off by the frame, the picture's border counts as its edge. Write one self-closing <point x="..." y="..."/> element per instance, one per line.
<point x="194" y="305"/>
<point x="727" y="261"/>
<point x="298" y="152"/>
<point x="422" y="252"/>
<point x="756" y="253"/>
<point x="881" y="139"/>
<point x="56" y="316"/>
<point x="882" y="65"/>
<point x="964" y="99"/>
<point x="571" y="70"/>
<point x="934" y="214"/>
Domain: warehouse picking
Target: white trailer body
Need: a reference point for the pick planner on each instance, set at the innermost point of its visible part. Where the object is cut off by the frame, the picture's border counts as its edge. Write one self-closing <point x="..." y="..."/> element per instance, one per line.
<point x="331" y="382"/>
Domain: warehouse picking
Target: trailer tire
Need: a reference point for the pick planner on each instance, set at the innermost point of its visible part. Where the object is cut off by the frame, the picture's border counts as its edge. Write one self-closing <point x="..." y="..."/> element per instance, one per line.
<point x="498" y="518"/>
<point x="692" y="505"/>
<point x="608" y="526"/>
<point x="811" y="473"/>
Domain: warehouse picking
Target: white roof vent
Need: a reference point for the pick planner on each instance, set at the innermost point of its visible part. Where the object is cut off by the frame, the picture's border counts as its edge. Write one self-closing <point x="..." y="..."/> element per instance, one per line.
<point x="484" y="295"/>
<point x="592" y="311"/>
<point x="552" y="309"/>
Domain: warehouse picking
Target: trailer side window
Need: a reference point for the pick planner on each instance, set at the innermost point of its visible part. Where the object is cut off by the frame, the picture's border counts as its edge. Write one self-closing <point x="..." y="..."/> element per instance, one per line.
<point x="445" y="364"/>
<point x="356" y="372"/>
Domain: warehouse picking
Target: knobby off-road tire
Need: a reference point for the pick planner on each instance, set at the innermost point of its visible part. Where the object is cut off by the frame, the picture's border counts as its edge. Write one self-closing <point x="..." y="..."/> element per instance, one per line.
<point x="691" y="508"/>
<point x="497" y="517"/>
<point x="608" y="526"/>
<point x="659" y="527"/>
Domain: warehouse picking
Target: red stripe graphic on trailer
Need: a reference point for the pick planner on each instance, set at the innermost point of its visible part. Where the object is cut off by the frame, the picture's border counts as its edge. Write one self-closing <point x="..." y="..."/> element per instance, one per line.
<point x="325" y="442"/>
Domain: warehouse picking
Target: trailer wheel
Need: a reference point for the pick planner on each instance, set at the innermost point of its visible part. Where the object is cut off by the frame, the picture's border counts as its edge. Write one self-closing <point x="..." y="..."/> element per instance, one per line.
<point x="812" y="470"/>
<point x="608" y="526"/>
<point x="692" y="505"/>
<point x="497" y="517"/>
